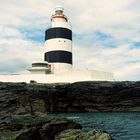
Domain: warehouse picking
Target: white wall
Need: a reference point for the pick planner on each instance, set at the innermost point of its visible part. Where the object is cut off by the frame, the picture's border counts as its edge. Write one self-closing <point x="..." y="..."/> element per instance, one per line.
<point x="69" y="77"/>
<point x="58" y="44"/>
<point x="62" y="24"/>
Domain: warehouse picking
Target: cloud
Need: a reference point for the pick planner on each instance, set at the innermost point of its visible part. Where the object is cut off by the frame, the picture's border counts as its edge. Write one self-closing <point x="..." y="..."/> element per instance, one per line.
<point x="7" y="32"/>
<point x="93" y="14"/>
<point x="105" y="34"/>
<point x="18" y="54"/>
<point x="132" y="70"/>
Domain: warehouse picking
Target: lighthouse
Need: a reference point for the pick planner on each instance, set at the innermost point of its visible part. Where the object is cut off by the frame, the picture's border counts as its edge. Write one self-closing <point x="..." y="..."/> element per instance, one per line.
<point x="58" y="42"/>
<point x="57" y="64"/>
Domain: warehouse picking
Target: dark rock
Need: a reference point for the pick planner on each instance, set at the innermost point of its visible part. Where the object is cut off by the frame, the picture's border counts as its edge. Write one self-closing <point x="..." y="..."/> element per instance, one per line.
<point x="45" y="127"/>
<point x="38" y="127"/>
<point x="21" y="98"/>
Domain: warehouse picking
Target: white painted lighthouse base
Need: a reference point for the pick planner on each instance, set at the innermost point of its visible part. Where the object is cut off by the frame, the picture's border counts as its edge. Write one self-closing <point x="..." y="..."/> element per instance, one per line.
<point x="67" y="77"/>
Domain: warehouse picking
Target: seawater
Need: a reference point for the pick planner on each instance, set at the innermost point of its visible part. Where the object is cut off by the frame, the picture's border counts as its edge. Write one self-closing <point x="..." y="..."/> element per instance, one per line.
<point x="122" y="126"/>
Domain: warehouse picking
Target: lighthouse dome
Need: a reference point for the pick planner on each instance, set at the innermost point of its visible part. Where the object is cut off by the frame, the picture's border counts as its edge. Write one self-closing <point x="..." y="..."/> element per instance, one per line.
<point x="59" y="9"/>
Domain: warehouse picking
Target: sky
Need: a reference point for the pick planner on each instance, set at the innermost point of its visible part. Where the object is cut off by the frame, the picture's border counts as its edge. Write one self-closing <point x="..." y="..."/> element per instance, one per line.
<point x="106" y="34"/>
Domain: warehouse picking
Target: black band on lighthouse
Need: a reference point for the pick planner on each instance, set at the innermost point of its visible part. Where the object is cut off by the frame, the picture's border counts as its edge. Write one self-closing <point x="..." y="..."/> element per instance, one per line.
<point x="59" y="57"/>
<point x="58" y="32"/>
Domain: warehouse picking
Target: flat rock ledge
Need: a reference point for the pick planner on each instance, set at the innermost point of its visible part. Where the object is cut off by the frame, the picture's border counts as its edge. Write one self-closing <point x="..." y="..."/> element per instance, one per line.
<point x="44" y="127"/>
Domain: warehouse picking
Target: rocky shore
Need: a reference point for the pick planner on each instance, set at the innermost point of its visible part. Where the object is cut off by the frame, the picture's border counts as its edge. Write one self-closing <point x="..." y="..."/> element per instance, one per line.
<point x="41" y="126"/>
<point x="24" y="107"/>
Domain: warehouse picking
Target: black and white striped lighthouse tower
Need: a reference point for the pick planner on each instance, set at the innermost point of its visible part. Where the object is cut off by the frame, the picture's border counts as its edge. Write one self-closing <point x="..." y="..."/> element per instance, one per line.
<point x="58" y="42"/>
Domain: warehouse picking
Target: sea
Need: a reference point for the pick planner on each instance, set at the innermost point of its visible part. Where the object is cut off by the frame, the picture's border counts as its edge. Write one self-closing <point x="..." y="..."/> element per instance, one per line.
<point x="121" y="125"/>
